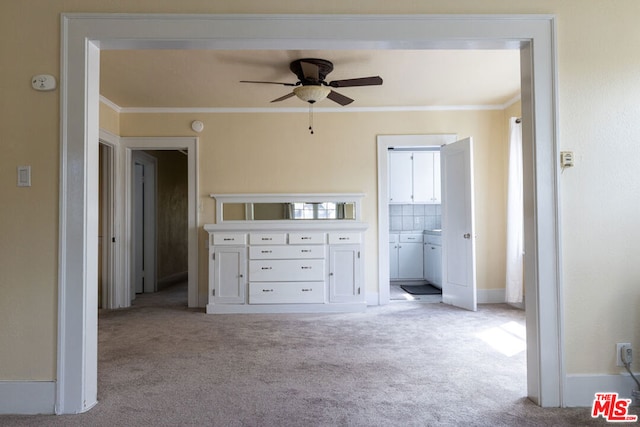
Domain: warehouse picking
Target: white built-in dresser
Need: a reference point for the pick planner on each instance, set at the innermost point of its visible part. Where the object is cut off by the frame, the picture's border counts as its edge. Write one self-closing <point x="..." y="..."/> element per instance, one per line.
<point x="287" y="265"/>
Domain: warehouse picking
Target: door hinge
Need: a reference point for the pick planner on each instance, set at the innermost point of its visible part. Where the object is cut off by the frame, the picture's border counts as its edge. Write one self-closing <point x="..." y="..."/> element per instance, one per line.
<point x="358" y="254"/>
<point x="213" y="256"/>
<point x="113" y="240"/>
<point x="358" y="291"/>
<point x="213" y="292"/>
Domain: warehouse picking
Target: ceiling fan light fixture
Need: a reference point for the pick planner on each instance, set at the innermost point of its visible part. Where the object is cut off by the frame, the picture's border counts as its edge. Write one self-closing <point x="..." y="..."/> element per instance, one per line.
<point x="311" y="93"/>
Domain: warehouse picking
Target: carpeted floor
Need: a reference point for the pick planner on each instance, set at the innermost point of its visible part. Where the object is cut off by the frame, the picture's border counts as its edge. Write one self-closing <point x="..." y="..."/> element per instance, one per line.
<point x="404" y="364"/>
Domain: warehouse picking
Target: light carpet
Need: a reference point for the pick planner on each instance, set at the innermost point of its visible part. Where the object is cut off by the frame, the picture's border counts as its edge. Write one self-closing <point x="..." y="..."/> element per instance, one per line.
<point x="404" y="364"/>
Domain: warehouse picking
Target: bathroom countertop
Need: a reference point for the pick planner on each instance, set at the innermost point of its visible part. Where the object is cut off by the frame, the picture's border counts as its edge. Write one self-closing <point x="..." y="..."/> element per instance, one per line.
<point x="435" y="232"/>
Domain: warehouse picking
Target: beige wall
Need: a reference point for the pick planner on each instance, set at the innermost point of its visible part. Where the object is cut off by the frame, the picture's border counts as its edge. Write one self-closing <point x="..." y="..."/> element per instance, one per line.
<point x="274" y="153"/>
<point x="598" y="98"/>
<point x="109" y="119"/>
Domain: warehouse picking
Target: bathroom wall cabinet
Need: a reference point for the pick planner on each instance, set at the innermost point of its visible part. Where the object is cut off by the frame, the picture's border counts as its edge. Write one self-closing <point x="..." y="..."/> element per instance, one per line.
<point x="414" y="177"/>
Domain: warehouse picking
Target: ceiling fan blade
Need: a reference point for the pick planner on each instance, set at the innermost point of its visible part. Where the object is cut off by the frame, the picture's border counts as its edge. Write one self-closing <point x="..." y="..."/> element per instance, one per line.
<point x="339" y="98"/>
<point x="282" y="98"/>
<point x="310" y="71"/>
<point x="270" y="83"/>
<point x="363" y="81"/>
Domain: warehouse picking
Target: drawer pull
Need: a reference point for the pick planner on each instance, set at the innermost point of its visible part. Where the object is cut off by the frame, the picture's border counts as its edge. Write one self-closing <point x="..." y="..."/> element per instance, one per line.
<point x="267" y="238"/>
<point x="266" y="268"/>
<point x="267" y="290"/>
<point x="306" y="290"/>
<point x="265" y="252"/>
<point x="343" y="238"/>
<point x="305" y="238"/>
<point x="227" y="239"/>
<point x="305" y="251"/>
<point x="306" y="267"/>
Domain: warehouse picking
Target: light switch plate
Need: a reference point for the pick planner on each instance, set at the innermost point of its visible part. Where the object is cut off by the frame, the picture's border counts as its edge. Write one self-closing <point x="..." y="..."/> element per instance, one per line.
<point x="24" y="176"/>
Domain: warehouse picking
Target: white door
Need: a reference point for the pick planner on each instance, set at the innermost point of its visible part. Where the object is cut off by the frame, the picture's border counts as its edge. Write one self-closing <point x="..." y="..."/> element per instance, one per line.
<point x="458" y="231"/>
<point x="138" y="226"/>
<point x="143" y="273"/>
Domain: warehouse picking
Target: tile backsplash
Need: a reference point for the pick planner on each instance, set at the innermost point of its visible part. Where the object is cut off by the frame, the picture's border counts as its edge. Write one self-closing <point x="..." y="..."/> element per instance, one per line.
<point x="414" y="217"/>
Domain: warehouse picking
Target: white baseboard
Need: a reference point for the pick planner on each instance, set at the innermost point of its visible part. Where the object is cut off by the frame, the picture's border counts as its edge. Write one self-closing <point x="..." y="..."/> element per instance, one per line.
<point x="580" y="390"/>
<point x="27" y="397"/>
<point x="484" y="296"/>
<point x="490" y="296"/>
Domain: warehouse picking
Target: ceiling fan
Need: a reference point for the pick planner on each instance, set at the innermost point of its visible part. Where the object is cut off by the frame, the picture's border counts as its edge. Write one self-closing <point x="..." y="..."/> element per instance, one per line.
<point x="311" y="86"/>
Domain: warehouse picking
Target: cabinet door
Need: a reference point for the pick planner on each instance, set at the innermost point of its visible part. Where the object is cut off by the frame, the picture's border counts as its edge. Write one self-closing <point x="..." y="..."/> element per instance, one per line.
<point x="344" y="274"/>
<point x="423" y="177"/>
<point x="393" y="261"/>
<point x="400" y="177"/>
<point x="426" y="268"/>
<point x="433" y="264"/>
<point x="437" y="265"/>
<point x="229" y="264"/>
<point x="437" y="179"/>
<point x="410" y="260"/>
<point x="426" y="177"/>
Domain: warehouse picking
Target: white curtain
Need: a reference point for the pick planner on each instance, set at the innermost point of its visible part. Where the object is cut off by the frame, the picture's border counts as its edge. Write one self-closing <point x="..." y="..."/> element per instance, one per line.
<point x="515" y="217"/>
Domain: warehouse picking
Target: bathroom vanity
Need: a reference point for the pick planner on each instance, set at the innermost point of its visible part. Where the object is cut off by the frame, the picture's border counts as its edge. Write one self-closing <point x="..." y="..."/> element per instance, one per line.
<point x="305" y="253"/>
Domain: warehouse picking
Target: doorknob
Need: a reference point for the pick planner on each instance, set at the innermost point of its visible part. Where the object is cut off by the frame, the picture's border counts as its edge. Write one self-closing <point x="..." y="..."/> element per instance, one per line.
<point x="467" y="236"/>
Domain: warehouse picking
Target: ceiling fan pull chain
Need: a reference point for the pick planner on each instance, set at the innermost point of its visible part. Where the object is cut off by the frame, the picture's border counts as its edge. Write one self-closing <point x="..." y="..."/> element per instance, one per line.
<point x="311" y="118"/>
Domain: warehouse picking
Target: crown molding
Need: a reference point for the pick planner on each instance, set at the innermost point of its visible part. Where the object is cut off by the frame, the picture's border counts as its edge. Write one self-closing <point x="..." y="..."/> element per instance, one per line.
<point x="115" y="107"/>
<point x="241" y="110"/>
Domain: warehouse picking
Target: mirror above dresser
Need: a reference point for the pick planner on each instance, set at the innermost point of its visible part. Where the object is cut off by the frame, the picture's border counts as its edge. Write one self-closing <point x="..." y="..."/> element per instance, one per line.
<point x="287" y="207"/>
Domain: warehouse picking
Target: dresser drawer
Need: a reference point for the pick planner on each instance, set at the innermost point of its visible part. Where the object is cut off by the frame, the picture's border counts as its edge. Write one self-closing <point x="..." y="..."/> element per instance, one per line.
<point x="286" y="293"/>
<point x="307" y="238"/>
<point x="339" y="238"/>
<point x="267" y="238"/>
<point x="287" y="252"/>
<point x="229" y="239"/>
<point x="285" y="270"/>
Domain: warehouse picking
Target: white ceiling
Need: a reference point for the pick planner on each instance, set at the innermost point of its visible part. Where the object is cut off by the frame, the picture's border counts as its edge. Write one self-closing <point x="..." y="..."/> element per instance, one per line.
<point x="210" y="78"/>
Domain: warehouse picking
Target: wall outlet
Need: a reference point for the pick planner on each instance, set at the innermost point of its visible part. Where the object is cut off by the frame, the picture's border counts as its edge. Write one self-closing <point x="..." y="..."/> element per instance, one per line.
<point x="619" y="348"/>
<point x="43" y="82"/>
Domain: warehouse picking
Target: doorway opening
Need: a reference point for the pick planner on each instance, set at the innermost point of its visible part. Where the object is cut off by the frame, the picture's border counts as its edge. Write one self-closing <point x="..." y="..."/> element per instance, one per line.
<point x="160" y="224"/>
<point x="76" y="389"/>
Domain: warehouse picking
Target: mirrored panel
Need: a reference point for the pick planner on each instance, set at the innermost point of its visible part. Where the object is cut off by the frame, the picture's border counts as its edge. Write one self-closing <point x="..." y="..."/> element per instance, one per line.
<point x="265" y="211"/>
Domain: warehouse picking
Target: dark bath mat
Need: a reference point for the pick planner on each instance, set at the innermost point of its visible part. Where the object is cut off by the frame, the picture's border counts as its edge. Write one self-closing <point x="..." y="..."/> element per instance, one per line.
<point x="421" y="289"/>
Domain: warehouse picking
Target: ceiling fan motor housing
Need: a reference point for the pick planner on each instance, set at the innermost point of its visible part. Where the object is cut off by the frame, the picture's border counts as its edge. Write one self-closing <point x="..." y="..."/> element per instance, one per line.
<point x="324" y="67"/>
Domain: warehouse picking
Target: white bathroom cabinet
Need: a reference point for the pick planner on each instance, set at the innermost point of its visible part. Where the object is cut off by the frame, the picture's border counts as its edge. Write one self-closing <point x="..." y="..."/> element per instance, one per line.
<point x="433" y="259"/>
<point x="414" y="177"/>
<point x="406" y="256"/>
